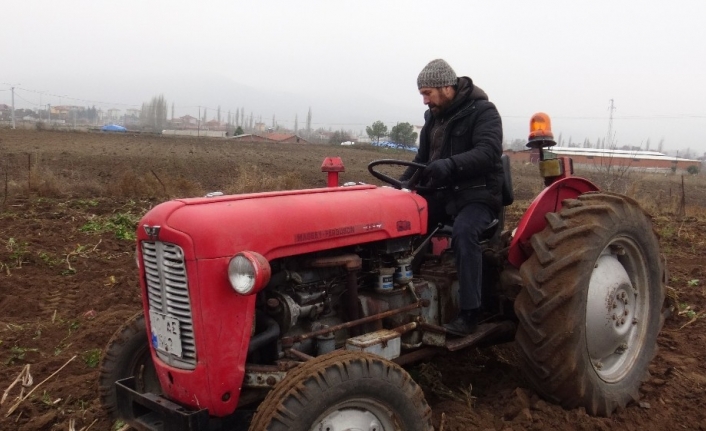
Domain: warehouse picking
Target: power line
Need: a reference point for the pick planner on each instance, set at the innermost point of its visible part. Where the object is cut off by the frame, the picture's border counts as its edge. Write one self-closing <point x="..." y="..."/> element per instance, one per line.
<point x="77" y="99"/>
<point x="31" y="103"/>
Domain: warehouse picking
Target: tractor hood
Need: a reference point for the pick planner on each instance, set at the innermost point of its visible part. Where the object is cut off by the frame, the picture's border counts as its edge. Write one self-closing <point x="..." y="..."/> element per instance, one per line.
<point x="277" y="224"/>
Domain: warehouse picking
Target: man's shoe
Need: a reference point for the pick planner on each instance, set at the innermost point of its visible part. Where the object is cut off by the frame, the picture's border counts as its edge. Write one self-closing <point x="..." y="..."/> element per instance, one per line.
<point x="465" y="324"/>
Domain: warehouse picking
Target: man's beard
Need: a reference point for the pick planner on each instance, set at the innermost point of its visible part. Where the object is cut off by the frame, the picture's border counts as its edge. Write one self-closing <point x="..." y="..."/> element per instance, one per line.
<point x="442" y="106"/>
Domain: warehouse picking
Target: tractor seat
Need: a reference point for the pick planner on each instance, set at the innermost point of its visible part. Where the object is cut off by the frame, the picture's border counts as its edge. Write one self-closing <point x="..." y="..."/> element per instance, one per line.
<point x="485" y="235"/>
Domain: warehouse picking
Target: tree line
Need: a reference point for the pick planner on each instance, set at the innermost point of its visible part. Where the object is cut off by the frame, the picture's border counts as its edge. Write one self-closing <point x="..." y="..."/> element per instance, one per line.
<point x="401" y="133"/>
<point x="153" y="115"/>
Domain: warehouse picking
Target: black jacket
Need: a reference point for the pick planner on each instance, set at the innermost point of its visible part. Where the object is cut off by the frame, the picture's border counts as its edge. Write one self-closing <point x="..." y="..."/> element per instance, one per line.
<point x="473" y="140"/>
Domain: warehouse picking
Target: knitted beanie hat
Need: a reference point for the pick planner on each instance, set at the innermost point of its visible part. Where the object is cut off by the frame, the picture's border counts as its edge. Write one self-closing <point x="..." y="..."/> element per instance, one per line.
<point x="436" y="74"/>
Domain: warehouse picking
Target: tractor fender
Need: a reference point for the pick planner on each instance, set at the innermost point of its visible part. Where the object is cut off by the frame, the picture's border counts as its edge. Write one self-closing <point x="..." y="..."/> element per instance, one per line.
<point x="550" y="200"/>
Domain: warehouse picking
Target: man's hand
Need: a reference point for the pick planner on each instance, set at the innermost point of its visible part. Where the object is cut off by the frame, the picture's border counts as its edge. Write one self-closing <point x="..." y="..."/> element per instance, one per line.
<point x="439" y="172"/>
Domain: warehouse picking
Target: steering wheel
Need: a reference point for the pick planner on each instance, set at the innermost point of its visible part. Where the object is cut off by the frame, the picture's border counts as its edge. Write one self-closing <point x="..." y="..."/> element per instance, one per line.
<point x="412" y="184"/>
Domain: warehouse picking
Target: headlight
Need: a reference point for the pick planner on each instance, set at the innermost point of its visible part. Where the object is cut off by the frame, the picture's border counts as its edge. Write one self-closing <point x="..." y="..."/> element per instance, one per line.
<point x="248" y="272"/>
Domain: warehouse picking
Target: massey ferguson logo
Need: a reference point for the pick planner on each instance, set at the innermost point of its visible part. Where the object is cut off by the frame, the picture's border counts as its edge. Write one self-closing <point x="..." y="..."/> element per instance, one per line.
<point x="321" y="235"/>
<point x="152" y="232"/>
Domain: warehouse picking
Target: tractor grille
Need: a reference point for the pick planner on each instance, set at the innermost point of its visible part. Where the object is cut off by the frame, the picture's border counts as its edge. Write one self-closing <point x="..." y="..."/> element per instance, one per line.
<point x="168" y="293"/>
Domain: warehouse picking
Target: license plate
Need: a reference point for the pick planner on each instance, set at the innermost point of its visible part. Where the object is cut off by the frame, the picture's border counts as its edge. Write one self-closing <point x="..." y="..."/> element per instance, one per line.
<point x="166" y="335"/>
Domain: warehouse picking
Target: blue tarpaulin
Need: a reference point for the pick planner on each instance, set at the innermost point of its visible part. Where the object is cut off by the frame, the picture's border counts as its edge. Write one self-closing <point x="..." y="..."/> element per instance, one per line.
<point x="113" y="128"/>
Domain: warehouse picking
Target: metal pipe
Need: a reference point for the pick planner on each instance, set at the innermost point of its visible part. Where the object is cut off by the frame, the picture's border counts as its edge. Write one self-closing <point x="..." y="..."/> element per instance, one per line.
<point x="432" y="328"/>
<point x="269" y="335"/>
<point x="408" y="327"/>
<point x="351" y="261"/>
<point x="396" y="332"/>
<point x="288" y="341"/>
<point x="426" y="240"/>
<point x="417" y="355"/>
<point x="299" y="355"/>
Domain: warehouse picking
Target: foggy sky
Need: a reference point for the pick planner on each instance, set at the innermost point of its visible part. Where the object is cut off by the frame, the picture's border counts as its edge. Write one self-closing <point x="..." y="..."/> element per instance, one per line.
<point x="355" y="62"/>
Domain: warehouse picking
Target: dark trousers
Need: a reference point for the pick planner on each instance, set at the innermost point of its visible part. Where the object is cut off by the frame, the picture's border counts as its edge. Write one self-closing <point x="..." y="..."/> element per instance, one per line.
<point x="468" y="224"/>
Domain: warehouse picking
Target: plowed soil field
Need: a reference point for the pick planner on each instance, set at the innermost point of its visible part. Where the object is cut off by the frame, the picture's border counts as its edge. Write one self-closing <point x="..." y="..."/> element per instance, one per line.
<point x="69" y="203"/>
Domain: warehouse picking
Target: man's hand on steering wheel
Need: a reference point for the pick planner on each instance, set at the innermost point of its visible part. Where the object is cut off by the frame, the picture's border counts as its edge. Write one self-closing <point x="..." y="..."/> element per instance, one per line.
<point x="438" y="173"/>
<point x="413" y="183"/>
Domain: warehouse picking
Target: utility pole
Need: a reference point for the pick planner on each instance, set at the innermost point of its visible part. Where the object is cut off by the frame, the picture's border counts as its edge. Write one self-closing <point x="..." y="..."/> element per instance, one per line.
<point x="13" y="107"/>
<point x="40" y="103"/>
<point x="198" y="122"/>
<point x="610" y="125"/>
<point x="49" y="111"/>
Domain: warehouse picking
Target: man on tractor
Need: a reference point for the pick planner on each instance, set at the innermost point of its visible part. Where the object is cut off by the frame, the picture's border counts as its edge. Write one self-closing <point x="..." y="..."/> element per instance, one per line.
<point x="461" y="143"/>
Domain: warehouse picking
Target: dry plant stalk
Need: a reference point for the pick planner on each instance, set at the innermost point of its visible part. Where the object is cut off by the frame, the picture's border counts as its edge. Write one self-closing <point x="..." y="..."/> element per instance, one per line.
<point x="89" y="426"/>
<point x="687" y="323"/>
<point x="25" y="377"/>
<point x="79" y="252"/>
<point x="67" y="260"/>
<point x="19" y="401"/>
<point x="160" y="182"/>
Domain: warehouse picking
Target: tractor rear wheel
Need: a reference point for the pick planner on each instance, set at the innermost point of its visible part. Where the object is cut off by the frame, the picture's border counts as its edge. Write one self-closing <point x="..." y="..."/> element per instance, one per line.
<point x="127" y="355"/>
<point x="590" y="312"/>
<point x="345" y="390"/>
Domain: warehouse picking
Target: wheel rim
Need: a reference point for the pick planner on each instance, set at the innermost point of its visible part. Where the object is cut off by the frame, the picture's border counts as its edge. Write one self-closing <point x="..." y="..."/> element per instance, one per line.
<point x="617" y="309"/>
<point x="355" y="415"/>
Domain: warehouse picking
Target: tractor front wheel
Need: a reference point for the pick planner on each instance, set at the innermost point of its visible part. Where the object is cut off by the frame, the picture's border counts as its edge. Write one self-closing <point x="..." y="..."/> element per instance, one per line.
<point x="590" y="312"/>
<point x="127" y="355"/>
<point x="345" y="391"/>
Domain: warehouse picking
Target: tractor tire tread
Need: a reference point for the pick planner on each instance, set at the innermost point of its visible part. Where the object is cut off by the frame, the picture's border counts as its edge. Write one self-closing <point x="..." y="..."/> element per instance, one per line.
<point x="127" y="343"/>
<point x="319" y="374"/>
<point x="549" y="324"/>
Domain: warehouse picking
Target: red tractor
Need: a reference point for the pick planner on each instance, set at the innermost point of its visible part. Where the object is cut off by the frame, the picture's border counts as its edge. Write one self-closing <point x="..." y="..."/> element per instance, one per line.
<point x="303" y="306"/>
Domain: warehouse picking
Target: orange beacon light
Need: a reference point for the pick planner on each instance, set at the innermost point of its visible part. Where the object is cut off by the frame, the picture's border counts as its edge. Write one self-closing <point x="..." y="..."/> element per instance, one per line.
<point x="540" y="131"/>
